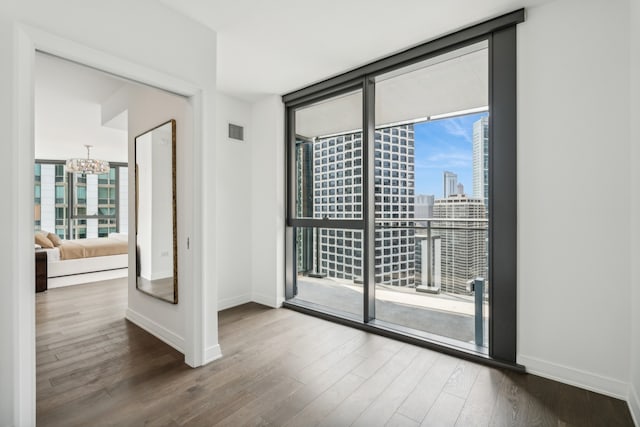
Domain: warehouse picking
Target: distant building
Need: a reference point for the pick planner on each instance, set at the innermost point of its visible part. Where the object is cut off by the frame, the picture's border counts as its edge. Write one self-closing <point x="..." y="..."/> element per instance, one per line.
<point x="450" y="181"/>
<point x="463" y="247"/>
<point x="481" y="160"/>
<point x="336" y="185"/>
<point x="460" y="189"/>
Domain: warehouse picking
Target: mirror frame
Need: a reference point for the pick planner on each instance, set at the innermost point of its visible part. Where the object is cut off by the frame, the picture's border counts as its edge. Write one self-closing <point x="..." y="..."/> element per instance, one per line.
<point x="173" y="203"/>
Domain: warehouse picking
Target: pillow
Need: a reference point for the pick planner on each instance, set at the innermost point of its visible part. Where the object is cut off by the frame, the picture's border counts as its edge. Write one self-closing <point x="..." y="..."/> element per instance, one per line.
<point x="57" y="241"/>
<point x="43" y="241"/>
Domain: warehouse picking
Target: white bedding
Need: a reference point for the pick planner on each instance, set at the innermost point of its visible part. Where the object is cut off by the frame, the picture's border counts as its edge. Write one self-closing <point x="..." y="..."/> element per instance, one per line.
<point x="53" y="254"/>
<point x="58" y="267"/>
<point x="86" y="265"/>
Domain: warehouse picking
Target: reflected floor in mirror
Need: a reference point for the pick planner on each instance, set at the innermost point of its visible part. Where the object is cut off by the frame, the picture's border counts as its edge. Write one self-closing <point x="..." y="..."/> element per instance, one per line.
<point x="161" y="288"/>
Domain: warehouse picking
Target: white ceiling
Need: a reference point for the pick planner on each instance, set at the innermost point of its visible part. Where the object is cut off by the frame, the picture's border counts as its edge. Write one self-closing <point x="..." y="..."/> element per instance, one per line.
<point x="69" y="111"/>
<point x="68" y="107"/>
<point x="277" y="46"/>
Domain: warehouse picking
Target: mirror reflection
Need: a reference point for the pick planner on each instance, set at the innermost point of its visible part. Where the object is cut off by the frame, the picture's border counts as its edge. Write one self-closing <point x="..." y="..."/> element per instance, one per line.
<point x="156" y="244"/>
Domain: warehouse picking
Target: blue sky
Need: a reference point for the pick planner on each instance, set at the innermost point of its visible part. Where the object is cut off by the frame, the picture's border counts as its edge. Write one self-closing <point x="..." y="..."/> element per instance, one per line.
<point x="441" y="145"/>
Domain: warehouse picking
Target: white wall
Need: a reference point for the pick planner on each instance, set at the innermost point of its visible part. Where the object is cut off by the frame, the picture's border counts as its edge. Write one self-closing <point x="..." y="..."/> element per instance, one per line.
<point x="8" y="258"/>
<point x="267" y="222"/>
<point x="574" y="194"/>
<point x="634" y="394"/>
<point x="235" y="206"/>
<point x="123" y="200"/>
<point x="149" y="108"/>
<point x="144" y="33"/>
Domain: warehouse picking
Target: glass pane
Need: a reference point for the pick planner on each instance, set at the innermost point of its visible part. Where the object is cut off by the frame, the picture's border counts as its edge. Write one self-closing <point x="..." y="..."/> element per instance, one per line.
<point x="329" y="268"/>
<point x="328" y="158"/>
<point x="427" y="285"/>
<point x="431" y="154"/>
<point x="60" y="197"/>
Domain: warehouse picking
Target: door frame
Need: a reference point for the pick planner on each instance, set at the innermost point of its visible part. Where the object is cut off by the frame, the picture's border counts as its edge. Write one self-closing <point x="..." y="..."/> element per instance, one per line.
<point x="29" y="40"/>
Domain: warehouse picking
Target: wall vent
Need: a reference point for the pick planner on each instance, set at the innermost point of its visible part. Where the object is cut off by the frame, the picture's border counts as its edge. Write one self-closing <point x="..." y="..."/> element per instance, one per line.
<point x="236" y="132"/>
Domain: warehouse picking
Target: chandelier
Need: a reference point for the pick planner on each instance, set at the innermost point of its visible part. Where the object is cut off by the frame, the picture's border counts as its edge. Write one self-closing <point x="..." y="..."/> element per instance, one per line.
<point x="88" y="165"/>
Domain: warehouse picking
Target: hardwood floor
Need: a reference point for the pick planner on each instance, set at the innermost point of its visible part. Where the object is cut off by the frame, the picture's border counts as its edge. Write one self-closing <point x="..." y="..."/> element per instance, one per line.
<point x="279" y="367"/>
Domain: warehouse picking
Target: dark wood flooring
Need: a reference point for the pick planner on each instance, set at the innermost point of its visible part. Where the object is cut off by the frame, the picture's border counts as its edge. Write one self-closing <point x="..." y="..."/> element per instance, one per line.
<point x="279" y="368"/>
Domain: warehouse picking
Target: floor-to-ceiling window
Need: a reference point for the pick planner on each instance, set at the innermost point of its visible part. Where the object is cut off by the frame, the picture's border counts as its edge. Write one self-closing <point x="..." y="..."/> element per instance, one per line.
<point x="77" y="206"/>
<point x="401" y="193"/>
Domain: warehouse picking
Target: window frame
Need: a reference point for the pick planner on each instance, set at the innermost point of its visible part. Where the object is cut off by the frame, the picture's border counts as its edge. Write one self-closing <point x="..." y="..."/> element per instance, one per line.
<point x="500" y="32"/>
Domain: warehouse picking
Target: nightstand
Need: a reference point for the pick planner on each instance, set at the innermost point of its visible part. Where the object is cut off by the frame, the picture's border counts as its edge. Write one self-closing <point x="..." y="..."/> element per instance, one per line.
<point x="41" y="270"/>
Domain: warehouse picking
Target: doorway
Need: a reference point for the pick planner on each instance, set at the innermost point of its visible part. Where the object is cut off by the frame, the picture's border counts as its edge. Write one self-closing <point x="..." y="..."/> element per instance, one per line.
<point x="30" y="41"/>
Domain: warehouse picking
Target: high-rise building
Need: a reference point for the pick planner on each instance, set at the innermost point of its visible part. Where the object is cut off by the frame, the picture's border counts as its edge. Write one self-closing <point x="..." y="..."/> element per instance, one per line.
<point x="337" y="190"/>
<point x="463" y="244"/>
<point x="481" y="160"/>
<point x="450" y="183"/>
<point x="460" y="189"/>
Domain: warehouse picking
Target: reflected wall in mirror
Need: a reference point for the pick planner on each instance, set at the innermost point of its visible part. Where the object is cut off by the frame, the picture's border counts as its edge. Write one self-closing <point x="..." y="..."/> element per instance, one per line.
<point x="156" y="227"/>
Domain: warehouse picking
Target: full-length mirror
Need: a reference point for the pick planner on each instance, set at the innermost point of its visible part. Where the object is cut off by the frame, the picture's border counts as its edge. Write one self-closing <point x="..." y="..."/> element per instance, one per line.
<point x="156" y="242"/>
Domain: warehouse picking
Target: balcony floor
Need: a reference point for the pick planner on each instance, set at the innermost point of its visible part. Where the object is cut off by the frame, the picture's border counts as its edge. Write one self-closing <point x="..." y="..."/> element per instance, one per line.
<point x="447" y="315"/>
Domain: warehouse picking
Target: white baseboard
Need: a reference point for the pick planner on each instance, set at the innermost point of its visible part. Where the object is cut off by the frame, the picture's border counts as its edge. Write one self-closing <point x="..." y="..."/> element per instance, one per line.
<point x="223" y="304"/>
<point x="634" y="404"/>
<point x="78" y="279"/>
<point x="576" y="377"/>
<point x="156" y="330"/>
<point x="268" y="300"/>
<point x="212" y="353"/>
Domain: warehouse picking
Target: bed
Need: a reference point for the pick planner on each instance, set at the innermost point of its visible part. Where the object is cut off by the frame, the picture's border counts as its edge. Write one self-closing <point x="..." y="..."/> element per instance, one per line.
<point x="71" y="262"/>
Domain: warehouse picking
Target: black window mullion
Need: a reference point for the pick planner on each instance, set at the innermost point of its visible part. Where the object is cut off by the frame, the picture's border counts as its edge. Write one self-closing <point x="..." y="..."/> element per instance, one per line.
<point x="117" y="184"/>
<point x="70" y="194"/>
<point x="291" y="265"/>
<point x="368" y="205"/>
<point x="503" y="195"/>
<point x="290" y="151"/>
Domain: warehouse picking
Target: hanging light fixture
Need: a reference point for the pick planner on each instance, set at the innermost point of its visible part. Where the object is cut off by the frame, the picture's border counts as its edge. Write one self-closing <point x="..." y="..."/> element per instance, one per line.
<point x="88" y="166"/>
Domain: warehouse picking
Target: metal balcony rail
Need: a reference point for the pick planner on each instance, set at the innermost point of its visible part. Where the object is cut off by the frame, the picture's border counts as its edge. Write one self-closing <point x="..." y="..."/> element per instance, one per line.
<point x="479" y="224"/>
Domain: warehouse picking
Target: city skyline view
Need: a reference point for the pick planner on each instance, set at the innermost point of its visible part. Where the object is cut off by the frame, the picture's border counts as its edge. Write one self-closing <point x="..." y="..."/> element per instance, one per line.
<point x="427" y="244"/>
<point x="444" y="145"/>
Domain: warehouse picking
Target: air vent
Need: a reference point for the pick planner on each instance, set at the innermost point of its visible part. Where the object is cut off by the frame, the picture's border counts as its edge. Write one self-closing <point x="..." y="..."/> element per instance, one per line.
<point x="236" y="132"/>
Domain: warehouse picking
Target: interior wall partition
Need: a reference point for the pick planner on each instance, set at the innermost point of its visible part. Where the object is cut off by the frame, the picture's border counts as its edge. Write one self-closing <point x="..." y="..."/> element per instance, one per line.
<point x="356" y="247"/>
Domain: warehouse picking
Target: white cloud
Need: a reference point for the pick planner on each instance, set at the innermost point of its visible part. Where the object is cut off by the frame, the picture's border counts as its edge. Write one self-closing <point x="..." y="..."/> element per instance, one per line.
<point x="455" y="127"/>
<point x="448" y="160"/>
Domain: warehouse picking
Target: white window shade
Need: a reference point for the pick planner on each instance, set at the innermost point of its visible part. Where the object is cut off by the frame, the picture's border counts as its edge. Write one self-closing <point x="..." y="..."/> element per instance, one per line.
<point x="451" y="83"/>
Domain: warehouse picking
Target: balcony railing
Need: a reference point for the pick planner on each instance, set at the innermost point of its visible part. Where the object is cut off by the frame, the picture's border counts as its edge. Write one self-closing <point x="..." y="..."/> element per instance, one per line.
<point x="433" y="254"/>
<point x="456" y="251"/>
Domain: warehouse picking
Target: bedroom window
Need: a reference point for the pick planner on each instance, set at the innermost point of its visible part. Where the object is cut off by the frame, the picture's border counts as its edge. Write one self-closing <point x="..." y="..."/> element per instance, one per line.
<point x="79" y="206"/>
